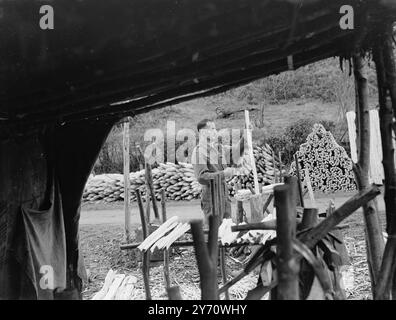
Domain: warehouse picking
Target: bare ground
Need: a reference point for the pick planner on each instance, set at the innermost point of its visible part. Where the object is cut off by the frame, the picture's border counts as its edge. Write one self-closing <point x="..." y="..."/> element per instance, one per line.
<point x="100" y="245"/>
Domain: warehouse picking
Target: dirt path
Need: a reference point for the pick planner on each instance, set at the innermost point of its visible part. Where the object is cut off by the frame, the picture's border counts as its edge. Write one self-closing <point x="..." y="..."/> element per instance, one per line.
<point x="114" y="213"/>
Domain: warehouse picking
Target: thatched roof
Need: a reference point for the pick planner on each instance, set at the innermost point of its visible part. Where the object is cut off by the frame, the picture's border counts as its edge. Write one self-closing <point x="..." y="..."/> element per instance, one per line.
<point x="115" y="58"/>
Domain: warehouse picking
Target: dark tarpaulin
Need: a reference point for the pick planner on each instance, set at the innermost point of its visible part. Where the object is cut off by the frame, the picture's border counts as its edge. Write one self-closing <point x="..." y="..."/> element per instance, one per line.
<point x="42" y="181"/>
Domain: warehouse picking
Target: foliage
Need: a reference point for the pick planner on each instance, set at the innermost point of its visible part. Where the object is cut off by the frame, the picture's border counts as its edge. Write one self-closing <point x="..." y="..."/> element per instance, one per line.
<point x="293" y="136"/>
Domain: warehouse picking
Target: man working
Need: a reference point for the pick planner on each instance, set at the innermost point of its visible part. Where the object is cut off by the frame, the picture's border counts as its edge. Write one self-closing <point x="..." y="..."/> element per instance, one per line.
<point x="209" y="159"/>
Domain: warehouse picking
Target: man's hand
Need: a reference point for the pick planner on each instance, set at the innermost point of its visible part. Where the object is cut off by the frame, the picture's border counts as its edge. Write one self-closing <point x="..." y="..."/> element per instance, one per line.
<point x="228" y="172"/>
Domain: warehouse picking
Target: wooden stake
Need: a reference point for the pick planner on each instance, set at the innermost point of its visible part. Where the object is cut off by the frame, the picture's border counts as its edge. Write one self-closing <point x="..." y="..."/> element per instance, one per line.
<point x="146" y="255"/>
<point x="300" y="188"/>
<point x="150" y="190"/>
<point x="166" y="252"/>
<point x="374" y="238"/>
<point x="280" y="167"/>
<point x="309" y="187"/>
<point x="125" y="149"/>
<point x="287" y="268"/>
<point x="251" y="155"/>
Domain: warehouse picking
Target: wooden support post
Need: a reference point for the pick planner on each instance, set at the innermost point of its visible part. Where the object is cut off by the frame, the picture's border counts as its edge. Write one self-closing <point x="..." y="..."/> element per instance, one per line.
<point x="287" y="267"/>
<point x="146" y="255"/>
<point x="125" y="143"/>
<point x="166" y="252"/>
<point x="386" y="77"/>
<point x="374" y="238"/>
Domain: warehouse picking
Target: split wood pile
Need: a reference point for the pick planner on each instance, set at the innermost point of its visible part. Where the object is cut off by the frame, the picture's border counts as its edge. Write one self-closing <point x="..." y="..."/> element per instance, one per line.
<point x="329" y="167"/>
<point x="177" y="180"/>
<point x="116" y="287"/>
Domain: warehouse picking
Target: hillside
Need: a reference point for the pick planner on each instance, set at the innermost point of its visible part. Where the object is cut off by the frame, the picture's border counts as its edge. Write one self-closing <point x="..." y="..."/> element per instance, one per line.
<point x="320" y="92"/>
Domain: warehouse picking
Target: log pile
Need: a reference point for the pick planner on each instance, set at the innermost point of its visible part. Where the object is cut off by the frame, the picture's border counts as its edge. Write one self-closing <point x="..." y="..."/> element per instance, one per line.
<point x="266" y="170"/>
<point x="329" y="167"/>
<point x="177" y="180"/>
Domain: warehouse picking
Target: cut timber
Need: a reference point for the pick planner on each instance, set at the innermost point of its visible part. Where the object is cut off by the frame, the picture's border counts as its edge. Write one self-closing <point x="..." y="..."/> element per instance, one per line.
<point x="114" y="287"/>
<point x="125" y="291"/>
<point x="107" y="283"/>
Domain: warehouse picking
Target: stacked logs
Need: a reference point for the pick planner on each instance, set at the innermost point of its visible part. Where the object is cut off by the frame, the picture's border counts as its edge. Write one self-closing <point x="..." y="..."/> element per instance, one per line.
<point x="178" y="180"/>
<point x="267" y="165"/>
<point x="329" y="167"/>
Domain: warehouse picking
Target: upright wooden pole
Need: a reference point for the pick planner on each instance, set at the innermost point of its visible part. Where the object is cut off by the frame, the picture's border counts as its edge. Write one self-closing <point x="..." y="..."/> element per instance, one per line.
<point x="300" y="187"/>
<point x="126" y="180"/>
<point x="146" y="255"/>
<point x="383" y="54"/>
<point x="287" y="267"/>
<point x="166" y="251"/>
<point x="374" y="238"/>
<point x="251" y="155"/>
